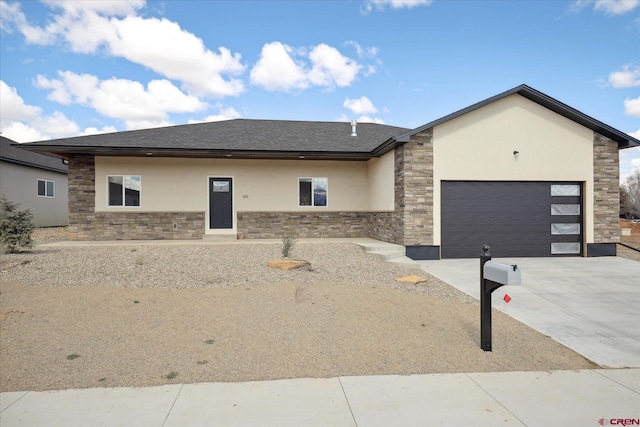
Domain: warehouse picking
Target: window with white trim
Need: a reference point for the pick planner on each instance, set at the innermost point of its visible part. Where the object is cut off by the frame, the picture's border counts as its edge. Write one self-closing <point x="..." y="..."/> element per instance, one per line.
<point x="313" y="191"/>
<point x="123" y="190"/>
<point x="46" y="188"/>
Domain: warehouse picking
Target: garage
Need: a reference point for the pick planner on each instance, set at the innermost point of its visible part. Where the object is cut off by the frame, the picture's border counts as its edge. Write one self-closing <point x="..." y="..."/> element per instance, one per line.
<point x="517" y="219"/>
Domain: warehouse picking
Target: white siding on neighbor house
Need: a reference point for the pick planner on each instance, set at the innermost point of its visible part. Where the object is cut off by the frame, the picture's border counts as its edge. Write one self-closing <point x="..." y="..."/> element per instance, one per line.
<point x="479" y="146"/>
<point x="381" y="175"/>
<point x="19" y="183"/>
<point x="180" y="184"/>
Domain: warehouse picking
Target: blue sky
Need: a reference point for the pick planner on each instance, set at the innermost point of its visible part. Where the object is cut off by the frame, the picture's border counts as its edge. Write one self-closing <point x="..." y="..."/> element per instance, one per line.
<point x="78" y="67"/>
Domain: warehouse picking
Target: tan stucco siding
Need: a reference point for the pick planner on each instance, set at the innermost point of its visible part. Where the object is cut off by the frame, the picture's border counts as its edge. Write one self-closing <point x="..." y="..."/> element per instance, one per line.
<point x="259" y="185"/>
<point x="381" y="182"/>
<point x="19" y="183"/>
<point x="479" y="146"/>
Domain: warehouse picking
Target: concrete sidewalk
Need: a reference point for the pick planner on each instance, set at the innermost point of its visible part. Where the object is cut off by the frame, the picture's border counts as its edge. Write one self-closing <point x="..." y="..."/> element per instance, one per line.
<point x="567" y="398"/>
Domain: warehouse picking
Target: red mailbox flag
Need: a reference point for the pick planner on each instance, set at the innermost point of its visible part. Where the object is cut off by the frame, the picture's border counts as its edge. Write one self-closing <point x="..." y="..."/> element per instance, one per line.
<point x="506" y="298"/>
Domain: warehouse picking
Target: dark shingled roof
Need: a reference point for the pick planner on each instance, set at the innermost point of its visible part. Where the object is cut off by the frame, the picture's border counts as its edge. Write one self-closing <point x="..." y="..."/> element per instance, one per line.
<point x="240" y="138"/>
<point x="15" y="154"/>
<point x="247" y="138"/>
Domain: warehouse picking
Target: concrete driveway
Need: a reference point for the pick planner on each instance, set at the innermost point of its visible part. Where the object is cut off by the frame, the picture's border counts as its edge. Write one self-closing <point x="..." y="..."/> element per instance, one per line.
<point x="591" y="305"/>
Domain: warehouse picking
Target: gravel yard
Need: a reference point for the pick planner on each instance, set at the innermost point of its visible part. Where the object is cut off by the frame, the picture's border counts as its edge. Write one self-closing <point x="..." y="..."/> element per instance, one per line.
<point x="149" y="315"/>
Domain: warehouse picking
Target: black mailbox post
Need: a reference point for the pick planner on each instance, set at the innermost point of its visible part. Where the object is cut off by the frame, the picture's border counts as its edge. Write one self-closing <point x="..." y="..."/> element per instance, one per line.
<point x="492" y="276"/>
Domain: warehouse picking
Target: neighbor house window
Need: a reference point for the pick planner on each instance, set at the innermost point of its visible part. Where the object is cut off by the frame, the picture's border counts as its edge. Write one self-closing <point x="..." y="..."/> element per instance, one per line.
<point x="313" y="191"/>
<point x="45" y="188"/>
<point x="123" y="190"/>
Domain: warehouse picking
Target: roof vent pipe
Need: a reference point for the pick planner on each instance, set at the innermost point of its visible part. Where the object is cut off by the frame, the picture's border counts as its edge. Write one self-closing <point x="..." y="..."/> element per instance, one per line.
<point x="353" y="128"/>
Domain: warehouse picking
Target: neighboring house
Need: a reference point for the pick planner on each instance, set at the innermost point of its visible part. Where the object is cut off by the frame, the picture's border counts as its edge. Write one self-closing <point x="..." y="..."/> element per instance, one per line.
<point x="520" y="171"/>
<point x="36" y="181"/>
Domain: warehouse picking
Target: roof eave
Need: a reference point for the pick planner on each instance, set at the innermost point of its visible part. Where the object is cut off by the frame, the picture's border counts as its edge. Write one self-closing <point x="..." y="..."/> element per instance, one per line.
<point x="70" y="152"/>
<point x="624" y="140"/>
<point x="33" y="165"/>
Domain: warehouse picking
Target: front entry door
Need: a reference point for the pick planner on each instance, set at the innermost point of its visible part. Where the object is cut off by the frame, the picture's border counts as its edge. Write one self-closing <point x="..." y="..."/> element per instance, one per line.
<point x="220" y="203"/>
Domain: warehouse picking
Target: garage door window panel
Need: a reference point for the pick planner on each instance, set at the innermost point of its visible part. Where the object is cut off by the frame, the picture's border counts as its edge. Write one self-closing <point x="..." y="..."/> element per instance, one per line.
<point x="561" y="229"/>
<point x="570" y="248"/>
<point x="565" y="190"/>
<point x="565" y="209"/>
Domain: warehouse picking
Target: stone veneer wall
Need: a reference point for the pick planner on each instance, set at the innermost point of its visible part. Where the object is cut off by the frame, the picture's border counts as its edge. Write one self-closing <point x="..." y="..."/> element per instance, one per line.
<point x="148" y="225"/>
<point x="87" y="224"/>
<point x="384" y="226"/>
<point x="275" y="225"/>
<point x="606" y="190"/>
<point x="81" y="198"/>
<point x="414" y="190"/>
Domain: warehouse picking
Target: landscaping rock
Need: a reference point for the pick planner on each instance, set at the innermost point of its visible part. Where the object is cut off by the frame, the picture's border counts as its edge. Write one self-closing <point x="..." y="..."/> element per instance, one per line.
<point x="412" y="279"/>
<point x="288" y="264"/>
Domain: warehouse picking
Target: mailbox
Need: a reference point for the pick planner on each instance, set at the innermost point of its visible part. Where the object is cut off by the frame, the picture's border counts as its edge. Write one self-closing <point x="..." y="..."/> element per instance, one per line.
<point x="502" y="273"/>
<point x="492" y="276"/>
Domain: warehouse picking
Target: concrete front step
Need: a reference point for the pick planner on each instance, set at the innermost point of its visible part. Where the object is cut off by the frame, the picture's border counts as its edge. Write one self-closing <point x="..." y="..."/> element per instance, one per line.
<point x="389" y="252"/>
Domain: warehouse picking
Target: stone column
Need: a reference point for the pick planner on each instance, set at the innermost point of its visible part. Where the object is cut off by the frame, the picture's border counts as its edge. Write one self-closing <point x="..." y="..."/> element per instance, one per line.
<point x="81" y="198"/>
<point x="414" y="189"/>
<point x="606" y="190"/>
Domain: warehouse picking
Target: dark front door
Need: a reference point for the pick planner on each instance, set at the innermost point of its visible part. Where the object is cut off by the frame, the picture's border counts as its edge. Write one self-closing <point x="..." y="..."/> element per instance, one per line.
<point x="220" y="203"/>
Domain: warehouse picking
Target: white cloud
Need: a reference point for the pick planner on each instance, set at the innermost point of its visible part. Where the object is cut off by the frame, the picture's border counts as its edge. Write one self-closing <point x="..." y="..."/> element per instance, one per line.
<point x="121" y="99"/>
<point x="367" y="119"/>
<point x="363" y="52"/>
<point x="616" y="7"/>
<point x="95" y="131"/>
<point x="227" y="113"/>
<point x="361" y="105"/>
<point x="632" y="107"/>
<point x="369" y="5"/>
<point x="277" y="70"/>
<point x="25" y="123"/>
<point x="610" y="7"/>
<point x="10" y="15"/>
<point x="158" y="44"/>
<point x="107" y="7"/>
<point x="13" y="107"/>
<point x="20" y="132"/>
<point x="281" y="68"/>
<point x="635" y="134"/>
<point x="331" y="68"/>
<point x="146" y="124"/>
<point x="177" y="54"/>
<point x="629" y="76"/>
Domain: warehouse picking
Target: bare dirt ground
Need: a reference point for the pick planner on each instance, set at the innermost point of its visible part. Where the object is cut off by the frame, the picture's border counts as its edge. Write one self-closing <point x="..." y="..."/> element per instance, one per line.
<point x="346" y="316"/>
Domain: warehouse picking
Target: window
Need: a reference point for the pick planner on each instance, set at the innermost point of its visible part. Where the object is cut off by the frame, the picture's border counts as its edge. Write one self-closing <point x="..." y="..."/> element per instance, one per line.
<point x="568" y="209"/>
<point x="313" y="191"/>
<point x="123" y="190"/>
<point x="565" y="190"/>
<point x="45" y="188"/>
<point x="565" y="248"/>
<point x="561" y="228"/>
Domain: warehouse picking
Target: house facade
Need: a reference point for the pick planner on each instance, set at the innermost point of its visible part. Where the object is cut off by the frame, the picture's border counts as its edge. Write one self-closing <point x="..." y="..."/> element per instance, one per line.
<point x="520" y="171"/>
<point x="36" y="181"/>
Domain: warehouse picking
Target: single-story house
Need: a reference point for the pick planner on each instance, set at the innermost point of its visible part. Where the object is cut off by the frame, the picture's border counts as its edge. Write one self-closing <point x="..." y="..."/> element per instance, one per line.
<point x="520" y="171"/>
<point x="37" y="181"/>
